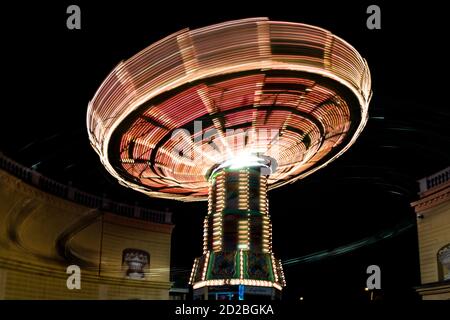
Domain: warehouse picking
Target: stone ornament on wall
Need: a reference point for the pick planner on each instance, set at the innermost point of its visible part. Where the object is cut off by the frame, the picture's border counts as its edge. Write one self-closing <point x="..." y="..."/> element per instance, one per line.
<point x="135" y="261"/>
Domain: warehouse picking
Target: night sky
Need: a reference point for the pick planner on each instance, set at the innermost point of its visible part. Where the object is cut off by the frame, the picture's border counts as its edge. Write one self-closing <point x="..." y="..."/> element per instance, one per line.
<point x="51" y="73"/>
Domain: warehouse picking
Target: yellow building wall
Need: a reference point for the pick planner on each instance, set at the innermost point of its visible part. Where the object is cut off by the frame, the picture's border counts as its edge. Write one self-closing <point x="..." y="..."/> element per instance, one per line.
<point x="41" y="234"/>
<point x="434" y="233"/>
<point x="433" y="228"/>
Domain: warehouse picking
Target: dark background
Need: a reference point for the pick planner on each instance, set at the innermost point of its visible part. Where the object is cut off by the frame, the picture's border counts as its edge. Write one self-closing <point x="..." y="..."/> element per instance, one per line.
<point x="50" y="73"/>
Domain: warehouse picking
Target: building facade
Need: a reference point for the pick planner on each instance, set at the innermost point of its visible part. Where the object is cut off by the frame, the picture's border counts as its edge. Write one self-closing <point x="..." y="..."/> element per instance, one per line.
<point x="45" y="227"/>
<point x="433" y="227"/>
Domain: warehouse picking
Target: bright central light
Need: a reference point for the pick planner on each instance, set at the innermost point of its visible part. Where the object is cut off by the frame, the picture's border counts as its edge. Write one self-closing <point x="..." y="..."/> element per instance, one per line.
<point x="242" y="161"/>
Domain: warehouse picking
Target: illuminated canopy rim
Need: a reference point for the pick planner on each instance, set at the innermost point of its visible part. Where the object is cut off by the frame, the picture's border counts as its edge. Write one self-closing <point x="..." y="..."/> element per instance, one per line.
<point x="247" y="76"/>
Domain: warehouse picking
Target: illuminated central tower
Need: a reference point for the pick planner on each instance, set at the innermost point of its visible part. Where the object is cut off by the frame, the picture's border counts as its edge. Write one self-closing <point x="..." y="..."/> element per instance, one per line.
<point x="237" y="258"/>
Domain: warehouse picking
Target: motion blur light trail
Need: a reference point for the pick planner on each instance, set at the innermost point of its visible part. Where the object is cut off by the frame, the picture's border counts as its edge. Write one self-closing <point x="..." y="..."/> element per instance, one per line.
<point x="324" y="254"/>
<point x="245" y="77"/>
<point x="342" y="250"/>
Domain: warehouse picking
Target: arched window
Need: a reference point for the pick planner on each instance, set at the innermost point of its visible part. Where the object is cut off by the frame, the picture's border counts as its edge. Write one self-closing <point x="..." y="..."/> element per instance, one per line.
<point x="443" y="257"/>
<point x="136" y="263"/>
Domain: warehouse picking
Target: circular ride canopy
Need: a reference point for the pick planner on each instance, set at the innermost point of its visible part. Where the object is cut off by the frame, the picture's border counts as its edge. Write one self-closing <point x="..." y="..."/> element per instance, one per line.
<point x="230" y="93"/>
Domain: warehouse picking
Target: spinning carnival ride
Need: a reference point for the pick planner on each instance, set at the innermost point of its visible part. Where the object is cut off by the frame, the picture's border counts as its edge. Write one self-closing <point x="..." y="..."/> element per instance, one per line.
<point x="226" y="113"/>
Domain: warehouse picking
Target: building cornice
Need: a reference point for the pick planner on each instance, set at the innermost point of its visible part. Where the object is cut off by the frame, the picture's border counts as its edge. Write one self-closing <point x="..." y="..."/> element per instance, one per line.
<point x="434" y="288"/>
<point x="138" y="224"/>
<point x="432" y="198"/>
<point x="15" y="184"/>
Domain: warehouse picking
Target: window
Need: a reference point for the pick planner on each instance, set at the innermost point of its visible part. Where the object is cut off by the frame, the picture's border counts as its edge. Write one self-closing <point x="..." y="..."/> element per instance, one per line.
<point x="443" y="257"/>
